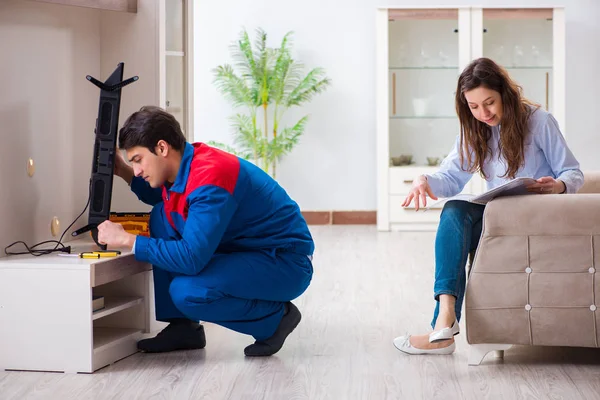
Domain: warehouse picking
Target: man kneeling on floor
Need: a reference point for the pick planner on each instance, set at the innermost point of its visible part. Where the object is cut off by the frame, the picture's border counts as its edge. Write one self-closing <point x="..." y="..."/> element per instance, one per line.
<point x="227" y="244"/>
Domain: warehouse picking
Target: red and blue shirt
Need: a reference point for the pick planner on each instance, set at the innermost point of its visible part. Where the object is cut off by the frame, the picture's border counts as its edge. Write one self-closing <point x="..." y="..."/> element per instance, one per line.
<point x="220" y="203"/>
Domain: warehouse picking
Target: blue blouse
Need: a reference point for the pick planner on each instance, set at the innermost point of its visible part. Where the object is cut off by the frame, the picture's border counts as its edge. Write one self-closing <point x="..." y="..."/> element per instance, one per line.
<point x="546" y="154"/>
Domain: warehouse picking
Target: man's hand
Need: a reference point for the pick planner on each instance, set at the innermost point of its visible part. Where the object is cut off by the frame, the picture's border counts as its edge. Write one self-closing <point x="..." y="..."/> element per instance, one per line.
<point x="123" y="169"/>
<point x="548" y="185"/>
<point x="114" y="235"/>
<point x="419" y="193"/>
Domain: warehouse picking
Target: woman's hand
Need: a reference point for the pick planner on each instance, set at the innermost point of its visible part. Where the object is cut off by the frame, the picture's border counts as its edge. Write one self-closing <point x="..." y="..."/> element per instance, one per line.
<point x="419" y="193"/>
<point x="548" y="185"/>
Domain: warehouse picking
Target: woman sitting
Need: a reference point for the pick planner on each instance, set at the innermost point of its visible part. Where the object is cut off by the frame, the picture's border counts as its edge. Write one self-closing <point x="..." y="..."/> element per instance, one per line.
<point x="502" y="136"/>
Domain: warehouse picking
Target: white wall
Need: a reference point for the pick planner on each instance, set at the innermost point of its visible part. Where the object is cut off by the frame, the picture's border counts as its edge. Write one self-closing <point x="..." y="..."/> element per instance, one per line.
<point x="47" y="112"/>
<point x="334" y="166"/>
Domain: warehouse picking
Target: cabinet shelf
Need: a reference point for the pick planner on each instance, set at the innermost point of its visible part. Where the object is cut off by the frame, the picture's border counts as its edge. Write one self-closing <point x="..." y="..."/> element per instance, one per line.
<point x="129" y="6"/>
<point x="423" y="117"/>
<point x="421" y="167"/>
<point x="424" y="68"/>
<point x="530" y="67"/>
<point x="456" y="67"/>
<point x="108" y="337"/>
<point x="115" y="304"/>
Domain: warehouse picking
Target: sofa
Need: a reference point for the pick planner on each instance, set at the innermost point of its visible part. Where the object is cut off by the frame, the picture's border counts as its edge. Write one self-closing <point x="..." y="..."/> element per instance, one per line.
<point x="534" y="278"/>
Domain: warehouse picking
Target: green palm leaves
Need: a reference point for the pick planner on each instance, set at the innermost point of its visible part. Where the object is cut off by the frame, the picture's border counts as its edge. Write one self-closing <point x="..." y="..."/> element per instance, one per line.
<point x="267" y="82"/>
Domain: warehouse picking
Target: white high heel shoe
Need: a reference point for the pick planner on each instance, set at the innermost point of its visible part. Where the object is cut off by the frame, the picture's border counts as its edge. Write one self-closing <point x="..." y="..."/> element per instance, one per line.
<point x="444" y="333"/>
<point x="402" y="343"/>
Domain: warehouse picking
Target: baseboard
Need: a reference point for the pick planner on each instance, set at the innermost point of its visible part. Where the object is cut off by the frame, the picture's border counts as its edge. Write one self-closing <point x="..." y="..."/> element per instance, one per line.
<point x="317" y="217"/>
<point x="340" y="217"/>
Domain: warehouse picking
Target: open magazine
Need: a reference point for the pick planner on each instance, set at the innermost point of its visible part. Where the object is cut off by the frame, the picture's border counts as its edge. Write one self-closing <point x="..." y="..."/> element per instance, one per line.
<point x="515" y="187"/>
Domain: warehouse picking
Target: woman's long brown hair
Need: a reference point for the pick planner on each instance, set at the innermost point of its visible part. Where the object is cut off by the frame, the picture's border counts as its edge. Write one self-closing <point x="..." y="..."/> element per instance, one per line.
<point x="474" y="134"/>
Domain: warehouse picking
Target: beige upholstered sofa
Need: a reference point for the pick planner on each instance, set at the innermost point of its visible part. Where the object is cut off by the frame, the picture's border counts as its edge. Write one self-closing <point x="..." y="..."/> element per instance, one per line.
<point x="535" y="278"/>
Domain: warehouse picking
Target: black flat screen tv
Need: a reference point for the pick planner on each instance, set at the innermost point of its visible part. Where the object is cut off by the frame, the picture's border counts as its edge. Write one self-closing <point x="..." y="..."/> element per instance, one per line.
<point x="105" y="146"/>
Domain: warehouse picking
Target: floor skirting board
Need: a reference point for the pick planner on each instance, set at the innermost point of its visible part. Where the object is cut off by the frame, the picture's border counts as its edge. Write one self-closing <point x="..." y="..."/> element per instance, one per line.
<point x="340" y="217"/>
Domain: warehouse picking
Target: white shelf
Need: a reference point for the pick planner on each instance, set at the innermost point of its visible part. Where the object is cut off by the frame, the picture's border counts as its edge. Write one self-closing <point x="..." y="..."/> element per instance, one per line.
<point x="115" y="304"/>
<point x="175" y="53"/>
<point x="528" y="67"/>
<point x="419" y="166"/>
<point x="423" y="116"/>
<point x="442" y="67"/>
<point x="111" y="5"/>
<point x="105" y="338"/>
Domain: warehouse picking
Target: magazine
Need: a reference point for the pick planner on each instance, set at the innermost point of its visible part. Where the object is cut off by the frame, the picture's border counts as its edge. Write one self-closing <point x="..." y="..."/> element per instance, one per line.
<point x="515" y="187"/>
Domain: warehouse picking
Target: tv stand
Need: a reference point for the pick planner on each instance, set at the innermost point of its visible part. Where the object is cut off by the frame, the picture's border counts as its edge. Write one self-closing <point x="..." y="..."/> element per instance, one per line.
<point x="46" y="314"/>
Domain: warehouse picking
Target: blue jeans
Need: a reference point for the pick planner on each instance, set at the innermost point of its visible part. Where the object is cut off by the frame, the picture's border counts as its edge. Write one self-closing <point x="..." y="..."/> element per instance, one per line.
<point x="457" y="235"/>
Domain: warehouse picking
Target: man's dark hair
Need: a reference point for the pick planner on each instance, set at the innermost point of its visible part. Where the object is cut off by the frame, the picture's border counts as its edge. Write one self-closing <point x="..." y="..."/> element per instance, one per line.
<point x="149" y="125"/>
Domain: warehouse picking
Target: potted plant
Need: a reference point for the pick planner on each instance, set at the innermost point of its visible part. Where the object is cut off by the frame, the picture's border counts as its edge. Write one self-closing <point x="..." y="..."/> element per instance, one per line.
<point x="266" y="82"/>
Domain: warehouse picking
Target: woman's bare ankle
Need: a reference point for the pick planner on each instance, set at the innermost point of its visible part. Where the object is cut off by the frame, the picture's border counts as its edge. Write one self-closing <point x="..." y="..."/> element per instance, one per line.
<point x="444" y="320"/>
<point x="447" y="315"/>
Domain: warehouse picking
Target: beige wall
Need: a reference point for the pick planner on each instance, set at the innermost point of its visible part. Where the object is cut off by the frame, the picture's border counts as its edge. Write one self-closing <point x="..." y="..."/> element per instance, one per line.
<point x="47" y="112"/>
<point x="48" y="109"/>
<point x="132" y="39"/>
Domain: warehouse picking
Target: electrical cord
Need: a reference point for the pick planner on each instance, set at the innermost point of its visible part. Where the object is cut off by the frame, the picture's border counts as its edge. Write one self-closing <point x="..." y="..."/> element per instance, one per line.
<point x="59" y="247"/>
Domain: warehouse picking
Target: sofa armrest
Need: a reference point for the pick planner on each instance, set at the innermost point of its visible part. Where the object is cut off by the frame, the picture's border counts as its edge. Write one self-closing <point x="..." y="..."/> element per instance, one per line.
<point x="564" y="214"/>
<point x="591" y="182"/>
<point x="533" y="278"/>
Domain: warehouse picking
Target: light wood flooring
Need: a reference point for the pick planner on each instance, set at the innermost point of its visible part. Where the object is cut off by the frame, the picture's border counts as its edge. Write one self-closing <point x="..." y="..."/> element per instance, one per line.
<point x="368" y="288"/>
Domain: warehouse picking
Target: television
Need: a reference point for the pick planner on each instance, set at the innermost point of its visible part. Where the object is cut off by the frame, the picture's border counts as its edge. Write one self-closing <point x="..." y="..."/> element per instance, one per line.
<point x="105" y="146"/>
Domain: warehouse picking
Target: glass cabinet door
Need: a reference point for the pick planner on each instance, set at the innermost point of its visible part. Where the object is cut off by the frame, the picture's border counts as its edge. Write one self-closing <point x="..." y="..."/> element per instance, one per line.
<point x="424" y="63"/>
<point x="521" y="40"/>
<point x="175" y="64"/>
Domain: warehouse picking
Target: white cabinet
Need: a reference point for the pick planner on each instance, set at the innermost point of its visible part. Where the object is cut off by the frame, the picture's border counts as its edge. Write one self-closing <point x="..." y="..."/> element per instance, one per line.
<point x="530" y="44"/>
<point x="420" y="55"/>
<point x="46" y="314"/>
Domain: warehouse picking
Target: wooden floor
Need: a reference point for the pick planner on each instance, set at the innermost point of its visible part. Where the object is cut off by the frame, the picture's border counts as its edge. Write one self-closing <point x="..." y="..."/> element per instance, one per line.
<point x="368" y="288"/>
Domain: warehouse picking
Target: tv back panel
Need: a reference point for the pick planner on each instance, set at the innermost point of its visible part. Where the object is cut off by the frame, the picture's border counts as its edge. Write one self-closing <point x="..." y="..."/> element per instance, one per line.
<point x="105" y="146"/>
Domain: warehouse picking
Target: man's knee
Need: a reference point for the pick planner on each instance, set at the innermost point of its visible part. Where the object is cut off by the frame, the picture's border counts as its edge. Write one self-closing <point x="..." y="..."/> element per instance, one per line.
<point x="186" y="294"/>
<point x="179" y="291"/>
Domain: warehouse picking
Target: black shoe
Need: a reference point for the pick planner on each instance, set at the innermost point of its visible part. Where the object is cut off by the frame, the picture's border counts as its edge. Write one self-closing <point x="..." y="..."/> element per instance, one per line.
<point x="176" y="336"/>
<point x="272" y="345"/>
